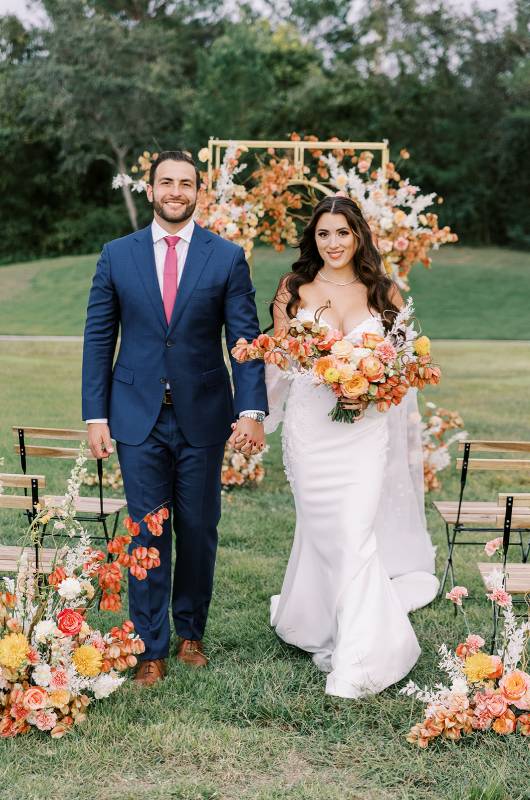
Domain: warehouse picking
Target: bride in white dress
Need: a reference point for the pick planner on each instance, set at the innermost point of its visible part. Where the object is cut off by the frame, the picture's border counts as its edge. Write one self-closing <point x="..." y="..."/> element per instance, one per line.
<point x="338" y="600"/>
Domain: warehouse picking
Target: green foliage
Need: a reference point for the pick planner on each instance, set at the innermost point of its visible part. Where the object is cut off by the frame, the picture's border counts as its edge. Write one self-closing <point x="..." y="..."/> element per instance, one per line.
<point x="108" y="78"/>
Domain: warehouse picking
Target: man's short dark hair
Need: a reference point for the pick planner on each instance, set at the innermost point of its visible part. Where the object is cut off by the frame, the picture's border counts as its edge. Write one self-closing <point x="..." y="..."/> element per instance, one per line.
<point x="174" y="155"/>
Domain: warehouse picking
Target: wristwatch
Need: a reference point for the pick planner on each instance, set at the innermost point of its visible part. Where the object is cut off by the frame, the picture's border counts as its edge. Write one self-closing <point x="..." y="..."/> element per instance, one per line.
<point x="259" y="416"/>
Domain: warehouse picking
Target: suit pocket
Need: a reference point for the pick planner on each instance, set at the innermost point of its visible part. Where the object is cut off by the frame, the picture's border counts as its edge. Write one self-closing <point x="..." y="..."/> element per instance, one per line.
<point x="123" y="374"/>
<point x="214" y="376"/>
<point x="208" y="292"/>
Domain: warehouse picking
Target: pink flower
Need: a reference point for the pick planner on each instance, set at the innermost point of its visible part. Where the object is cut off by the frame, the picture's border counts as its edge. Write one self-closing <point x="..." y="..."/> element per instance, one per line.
<point x="492" y="546"/>
<point x="44" y="719"/>
<point x="474" y="642"/>
<point x="386" y="352"/>
<point x="363" y="165"/>
<point x="401" y="243"/>
<point x="481" y="719"/>
<point x="501" y="597"/>
<point x="59" y="679"/>
<point x="492" y="702"/>
<point x="98" y="641"/>
<point x="456" y="594"/>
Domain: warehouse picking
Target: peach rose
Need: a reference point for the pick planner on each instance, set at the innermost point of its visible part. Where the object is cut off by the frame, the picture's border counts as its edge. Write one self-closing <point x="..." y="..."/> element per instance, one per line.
<point x="505" y="724"/>
<point x="371" y="340"/>
<point x="35" y="698"/>
<point x="265" y="342"/>
<point x="515" y="685"/>
<point x="356" y="386"/>
<point x="240" y="350"/>
<point x="342" y="348"/>
<point x="372" y="368"/>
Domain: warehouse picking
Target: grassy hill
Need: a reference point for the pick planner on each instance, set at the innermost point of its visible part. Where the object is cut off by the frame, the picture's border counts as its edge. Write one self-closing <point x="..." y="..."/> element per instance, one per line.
<point x="470" y="293"/>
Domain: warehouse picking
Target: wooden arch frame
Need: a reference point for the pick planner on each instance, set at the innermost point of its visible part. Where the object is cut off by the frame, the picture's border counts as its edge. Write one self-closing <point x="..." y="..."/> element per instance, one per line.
<point x="298" y="148"/>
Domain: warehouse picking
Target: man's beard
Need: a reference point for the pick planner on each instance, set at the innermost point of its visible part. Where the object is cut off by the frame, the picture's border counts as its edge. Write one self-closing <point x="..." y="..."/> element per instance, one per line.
<point x="176" y="216"/>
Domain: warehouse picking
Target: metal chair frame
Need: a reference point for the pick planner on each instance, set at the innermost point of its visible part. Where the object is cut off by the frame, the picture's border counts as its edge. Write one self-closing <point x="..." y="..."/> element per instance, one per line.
<point x="458" y="528"/>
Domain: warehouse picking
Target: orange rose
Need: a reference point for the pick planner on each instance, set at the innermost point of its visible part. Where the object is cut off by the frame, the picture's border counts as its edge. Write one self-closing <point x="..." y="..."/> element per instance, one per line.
<point x="514" y="685"/>
<point x="35" y="698"/>
<point x="498" y="668"/>
<point x="322" y="364"/>
<point x="371" y="340"/>
<point x="505" y="724"/>
<point x="69" y="621"/>
<point x="356" y="386"/>
<point x="372" y="368"/>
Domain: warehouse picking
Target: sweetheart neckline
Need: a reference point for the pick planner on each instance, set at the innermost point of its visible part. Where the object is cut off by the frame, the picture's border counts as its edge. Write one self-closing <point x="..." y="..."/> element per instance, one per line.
<point x="366" y="319"/>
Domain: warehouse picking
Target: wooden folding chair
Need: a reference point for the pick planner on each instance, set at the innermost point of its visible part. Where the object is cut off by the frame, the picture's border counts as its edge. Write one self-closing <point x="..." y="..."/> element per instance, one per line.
<point x="516" y="579"/>
<point x="88" y="509"/>
<point x="39" y="558"/>
<point x="474" y="517"/>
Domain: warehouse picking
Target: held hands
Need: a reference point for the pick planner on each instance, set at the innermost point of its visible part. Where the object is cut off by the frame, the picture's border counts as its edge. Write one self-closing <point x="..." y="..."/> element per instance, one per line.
<point x="248" y="436"/>
<point x="99" y="440"/>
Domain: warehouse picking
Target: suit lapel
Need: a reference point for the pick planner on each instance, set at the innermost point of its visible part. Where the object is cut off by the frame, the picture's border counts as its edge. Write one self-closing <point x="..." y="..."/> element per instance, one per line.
<point x="198" y="254"/>
<point x="144" y="258"/>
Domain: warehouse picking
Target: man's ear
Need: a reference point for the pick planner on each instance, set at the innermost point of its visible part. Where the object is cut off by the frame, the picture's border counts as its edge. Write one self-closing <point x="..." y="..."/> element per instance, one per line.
<point x="149" y="192"/>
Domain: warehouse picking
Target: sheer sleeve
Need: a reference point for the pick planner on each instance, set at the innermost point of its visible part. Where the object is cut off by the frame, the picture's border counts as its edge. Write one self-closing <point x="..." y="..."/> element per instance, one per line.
<point x="278" y="384"/>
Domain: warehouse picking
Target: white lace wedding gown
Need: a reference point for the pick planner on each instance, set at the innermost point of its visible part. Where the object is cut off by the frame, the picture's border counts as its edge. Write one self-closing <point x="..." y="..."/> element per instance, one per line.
<point x="338" y="600"/>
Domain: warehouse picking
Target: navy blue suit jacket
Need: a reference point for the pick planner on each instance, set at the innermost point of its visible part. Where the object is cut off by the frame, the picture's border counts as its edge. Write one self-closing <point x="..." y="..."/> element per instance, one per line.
<point x="215" y="290"/>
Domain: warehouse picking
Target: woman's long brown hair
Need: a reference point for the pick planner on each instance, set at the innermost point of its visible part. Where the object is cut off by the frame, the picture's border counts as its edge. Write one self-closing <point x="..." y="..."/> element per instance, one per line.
<point x="367" y="265"/>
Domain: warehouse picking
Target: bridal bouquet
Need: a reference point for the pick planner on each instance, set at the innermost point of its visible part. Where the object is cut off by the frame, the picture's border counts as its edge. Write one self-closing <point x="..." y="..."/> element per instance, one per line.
<point x="52" y="662"/>
<point x="486" y="692"/>
<point x="378" y="371"/>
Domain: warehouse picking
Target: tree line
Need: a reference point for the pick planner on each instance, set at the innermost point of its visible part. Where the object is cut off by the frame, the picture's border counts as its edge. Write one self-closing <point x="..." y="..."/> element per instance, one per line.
<point x="103" y="80"/>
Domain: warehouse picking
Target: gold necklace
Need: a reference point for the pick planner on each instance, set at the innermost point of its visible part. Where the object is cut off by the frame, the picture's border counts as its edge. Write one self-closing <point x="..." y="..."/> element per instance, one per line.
<point x="336" y="283"/>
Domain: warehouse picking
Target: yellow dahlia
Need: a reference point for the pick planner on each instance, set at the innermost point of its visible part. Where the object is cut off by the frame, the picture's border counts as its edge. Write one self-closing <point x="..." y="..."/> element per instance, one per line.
<point x="13" y="650"/>
<point x="478" y="666"/>
<point x="87" y="660"/>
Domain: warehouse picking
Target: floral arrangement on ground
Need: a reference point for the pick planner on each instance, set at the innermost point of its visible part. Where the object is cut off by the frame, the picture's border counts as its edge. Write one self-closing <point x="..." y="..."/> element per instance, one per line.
<point x="486" y="692"/>
<point x="53" y="663"/>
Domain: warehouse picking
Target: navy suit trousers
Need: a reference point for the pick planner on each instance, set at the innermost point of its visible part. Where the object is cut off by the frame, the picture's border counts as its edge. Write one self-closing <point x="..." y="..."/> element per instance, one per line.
<point x="166" y="470"/>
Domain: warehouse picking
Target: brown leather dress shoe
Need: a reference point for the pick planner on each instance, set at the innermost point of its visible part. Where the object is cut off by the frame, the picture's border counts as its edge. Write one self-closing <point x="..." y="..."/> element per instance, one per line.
<point x="150" y="672"/>
<point x="192" y="653"/>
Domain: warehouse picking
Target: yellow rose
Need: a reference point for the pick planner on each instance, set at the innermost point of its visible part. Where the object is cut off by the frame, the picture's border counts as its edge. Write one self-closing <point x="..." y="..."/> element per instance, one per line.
<point x="87" y="660"/>
<point x="331" y="375"/>
<point x="422" y="346"/>
<point x="342" y="349"/>
<point x="13" y="650"/>
<point x="204" y="154"/>
<point x="355" y="386"/>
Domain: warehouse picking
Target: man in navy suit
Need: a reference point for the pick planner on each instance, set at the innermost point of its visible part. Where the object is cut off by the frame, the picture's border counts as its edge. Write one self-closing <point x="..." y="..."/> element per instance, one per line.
<point x="169" y="289"/>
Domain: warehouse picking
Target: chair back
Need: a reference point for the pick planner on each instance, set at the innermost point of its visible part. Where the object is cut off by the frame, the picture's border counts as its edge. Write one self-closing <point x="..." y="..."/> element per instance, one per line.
<point x="26" y="502"/>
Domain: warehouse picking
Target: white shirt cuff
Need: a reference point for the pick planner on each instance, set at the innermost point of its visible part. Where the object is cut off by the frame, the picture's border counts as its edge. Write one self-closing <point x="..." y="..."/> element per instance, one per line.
<point x="251" y="411"/>
<point x="88" y="421"/>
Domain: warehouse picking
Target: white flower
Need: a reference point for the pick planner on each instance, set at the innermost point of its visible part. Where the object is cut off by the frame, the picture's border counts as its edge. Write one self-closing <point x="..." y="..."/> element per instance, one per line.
<point x="358" y="353"/>
<point x="105" y="684"/>
<point x="69" y="589"/>
<point x="459" y="686"/>
<point x="45" y="629"/>
<point x="42" y="674"/>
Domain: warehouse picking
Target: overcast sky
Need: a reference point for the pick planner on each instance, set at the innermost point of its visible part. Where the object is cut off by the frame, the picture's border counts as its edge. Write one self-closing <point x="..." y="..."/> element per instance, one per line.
<point x="21" y="7"/>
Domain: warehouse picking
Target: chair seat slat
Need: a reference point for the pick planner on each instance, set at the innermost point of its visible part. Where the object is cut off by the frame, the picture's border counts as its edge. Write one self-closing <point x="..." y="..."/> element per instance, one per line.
<point x="10" y="556"/>
<point x="16" y="481"/>
<point x="51" y="433"/>
<point x="517" y="576"/>
<point x="483" y="445"/>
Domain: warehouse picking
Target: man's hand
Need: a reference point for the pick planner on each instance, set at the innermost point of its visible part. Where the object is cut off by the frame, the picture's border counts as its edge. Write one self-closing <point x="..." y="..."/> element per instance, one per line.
<point x="99" y="439"/>
<point x="248" y="436"/>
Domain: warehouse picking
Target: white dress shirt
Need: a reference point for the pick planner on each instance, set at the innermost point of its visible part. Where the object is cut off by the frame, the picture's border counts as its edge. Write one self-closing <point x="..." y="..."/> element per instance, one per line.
<point x="160" y="249"/>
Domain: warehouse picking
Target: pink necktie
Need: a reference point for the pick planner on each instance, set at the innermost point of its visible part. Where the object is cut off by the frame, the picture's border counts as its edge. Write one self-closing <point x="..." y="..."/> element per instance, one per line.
<point x="170" y="276"/>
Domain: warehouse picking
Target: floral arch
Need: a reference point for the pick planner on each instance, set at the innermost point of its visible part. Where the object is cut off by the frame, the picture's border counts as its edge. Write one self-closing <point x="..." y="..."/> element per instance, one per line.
<point x="265" y="190"/>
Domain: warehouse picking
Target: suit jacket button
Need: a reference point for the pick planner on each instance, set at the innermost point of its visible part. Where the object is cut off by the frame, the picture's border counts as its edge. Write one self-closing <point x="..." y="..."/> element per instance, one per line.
<point x="163" y="380"/>
<point x="169" y="343"/>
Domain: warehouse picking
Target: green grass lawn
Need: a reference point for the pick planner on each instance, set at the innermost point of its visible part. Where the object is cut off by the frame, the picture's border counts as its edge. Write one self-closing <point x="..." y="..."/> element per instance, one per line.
<point x="256" y="724"/>
<point x="470" y="293"/>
